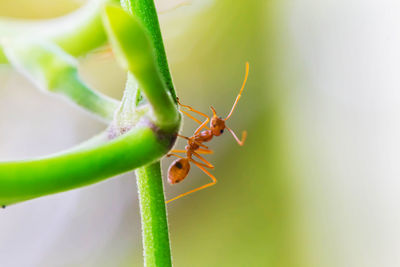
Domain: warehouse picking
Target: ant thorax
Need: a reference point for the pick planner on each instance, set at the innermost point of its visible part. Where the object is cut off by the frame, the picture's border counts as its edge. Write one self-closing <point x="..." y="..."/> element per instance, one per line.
<point x="203" y="136"/>
<point x="191" y="147"/>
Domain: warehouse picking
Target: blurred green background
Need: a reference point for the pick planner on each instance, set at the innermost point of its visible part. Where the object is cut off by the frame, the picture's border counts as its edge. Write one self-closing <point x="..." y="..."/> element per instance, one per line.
<point x="314" y="185"/>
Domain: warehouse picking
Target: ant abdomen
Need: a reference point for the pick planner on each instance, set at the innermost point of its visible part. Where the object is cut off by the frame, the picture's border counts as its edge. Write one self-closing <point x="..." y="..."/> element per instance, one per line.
<point x="178" y="170"/>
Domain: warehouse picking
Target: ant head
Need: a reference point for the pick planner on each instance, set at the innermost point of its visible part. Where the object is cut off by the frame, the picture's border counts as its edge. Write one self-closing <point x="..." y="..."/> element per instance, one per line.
<point x="217" y="124"/>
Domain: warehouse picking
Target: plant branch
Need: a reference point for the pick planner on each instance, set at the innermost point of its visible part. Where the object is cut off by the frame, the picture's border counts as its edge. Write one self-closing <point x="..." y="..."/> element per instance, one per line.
<point x="27" y="179"/>
<point x="86" y="32"/>
<point x="76" y="33"/>
<point x="156" y="244"/>
<point x="157" y="252"/>
<point x="135" y="52"/>
<point x="145" y="12"/>
<point x="50" y="68"/>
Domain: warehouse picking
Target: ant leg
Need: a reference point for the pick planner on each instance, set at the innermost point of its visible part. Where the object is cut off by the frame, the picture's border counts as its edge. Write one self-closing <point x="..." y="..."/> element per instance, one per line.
<point x="204" y="124"/>
<point x="214" y="181"/>
<point x="193" y="118"/>
<point x="208" y="164"/>
<point x="187" y="138"/>
<point x="178" y="151"/>
<point x="188" y="107"/>
<point x="240" y="142"/>
<point x="184" y="137"/>
<point x="172" y="154"/>
<point x="200" y="144"/>
<point x="193" y="110"/>
<point x="201" y="164"/>
<point x="204" y="151"/>
<point x="190" y="116"/>
<point x="199" y="150"/>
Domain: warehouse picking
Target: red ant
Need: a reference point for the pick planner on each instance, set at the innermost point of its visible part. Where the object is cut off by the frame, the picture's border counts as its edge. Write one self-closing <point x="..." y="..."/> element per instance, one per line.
<point x="180" y="168"/>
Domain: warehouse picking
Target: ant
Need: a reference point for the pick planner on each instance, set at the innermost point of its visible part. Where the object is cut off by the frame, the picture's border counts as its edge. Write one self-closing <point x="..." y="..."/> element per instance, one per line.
<point x="180" y="168"/>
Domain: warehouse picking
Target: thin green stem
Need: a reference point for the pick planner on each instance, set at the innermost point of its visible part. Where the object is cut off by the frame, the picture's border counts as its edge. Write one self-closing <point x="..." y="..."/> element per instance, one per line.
<point x="91" y="100"/>
<point x="50" y="68"/>
<point x="157" y="252"/>
<point x="146" y="13"/>
<point x="86" y="32"/>
<point x="76" y="33"/>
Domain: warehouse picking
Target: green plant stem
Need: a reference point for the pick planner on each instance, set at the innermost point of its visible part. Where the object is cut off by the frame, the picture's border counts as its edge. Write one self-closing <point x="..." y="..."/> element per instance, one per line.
<point x="50" y="68"/>
<point x="76" y="33"/>
<point x="146" y="139"/>
<point x="27" y="179"/>
<point x="146" y="13"/>
<point x="156" y="245"/>
<point x="86" y="32"/>
<point x="90" y="100"/>
<point x="54" y="70"/>
<point x="138" y="57"/>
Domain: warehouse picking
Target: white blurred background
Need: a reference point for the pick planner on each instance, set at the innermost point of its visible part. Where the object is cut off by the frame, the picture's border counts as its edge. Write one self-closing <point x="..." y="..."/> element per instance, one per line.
<point x="349" y="105"/>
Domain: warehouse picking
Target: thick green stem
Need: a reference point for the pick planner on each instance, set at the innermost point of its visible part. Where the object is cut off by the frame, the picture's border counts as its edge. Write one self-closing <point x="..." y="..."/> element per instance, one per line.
<point x="155" y="235"/>
<point x="27" y="179"/>
<point x="157" y="252"/>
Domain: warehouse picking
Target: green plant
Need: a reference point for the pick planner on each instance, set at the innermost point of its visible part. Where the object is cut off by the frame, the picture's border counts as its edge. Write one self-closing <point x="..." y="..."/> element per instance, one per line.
<point x="141" y="130"/>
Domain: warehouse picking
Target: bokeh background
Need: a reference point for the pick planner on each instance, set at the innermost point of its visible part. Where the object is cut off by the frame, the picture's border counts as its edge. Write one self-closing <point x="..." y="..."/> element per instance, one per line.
<point x="317" y="182"/>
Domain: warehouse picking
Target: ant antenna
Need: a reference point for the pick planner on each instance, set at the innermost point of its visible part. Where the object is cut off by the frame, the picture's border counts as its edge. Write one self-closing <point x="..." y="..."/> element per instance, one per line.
<point x="241" y="89"/>
<point x="240" y="142"/>
<point x="213" y="111"/>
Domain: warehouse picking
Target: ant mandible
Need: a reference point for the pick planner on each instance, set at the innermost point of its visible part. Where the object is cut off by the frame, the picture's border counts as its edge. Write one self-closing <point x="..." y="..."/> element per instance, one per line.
<point x="180" y="168"/>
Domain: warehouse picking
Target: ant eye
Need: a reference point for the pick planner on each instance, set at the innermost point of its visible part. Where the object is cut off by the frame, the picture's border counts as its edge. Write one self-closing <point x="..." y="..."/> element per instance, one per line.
<point x="221" y="131"/>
